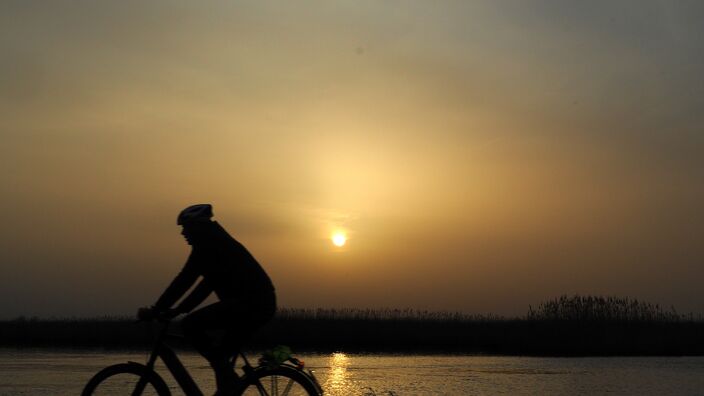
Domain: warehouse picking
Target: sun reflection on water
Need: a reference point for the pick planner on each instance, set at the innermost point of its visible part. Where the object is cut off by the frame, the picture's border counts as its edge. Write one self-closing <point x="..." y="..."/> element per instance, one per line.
<point x="338" y="378"/>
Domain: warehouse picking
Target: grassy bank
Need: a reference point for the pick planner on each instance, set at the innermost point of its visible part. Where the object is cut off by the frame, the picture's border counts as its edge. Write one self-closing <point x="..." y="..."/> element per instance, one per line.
<point x="569" y="326"/>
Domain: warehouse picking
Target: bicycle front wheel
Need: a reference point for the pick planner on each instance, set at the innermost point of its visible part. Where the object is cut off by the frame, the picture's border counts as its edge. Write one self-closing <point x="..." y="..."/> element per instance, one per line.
<point x="279" y="381"/>
<point x="126" y="379"/>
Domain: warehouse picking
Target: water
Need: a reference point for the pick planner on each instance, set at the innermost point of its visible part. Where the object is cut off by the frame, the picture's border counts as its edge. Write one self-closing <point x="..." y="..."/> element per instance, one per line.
<point x="42" y="372"/>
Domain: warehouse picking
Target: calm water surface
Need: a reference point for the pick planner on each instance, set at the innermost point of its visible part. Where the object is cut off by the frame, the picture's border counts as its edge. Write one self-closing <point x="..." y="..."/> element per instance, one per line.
<point x="42" y="372"/>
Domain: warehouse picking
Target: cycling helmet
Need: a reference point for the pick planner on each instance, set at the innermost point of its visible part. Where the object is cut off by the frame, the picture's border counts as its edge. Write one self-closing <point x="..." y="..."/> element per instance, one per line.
<point x="195" y="213"/>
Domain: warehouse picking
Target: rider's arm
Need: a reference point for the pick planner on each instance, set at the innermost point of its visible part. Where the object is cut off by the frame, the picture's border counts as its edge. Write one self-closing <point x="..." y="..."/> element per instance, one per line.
<point x="199" y="293"/>
<point x="179" y="286"/>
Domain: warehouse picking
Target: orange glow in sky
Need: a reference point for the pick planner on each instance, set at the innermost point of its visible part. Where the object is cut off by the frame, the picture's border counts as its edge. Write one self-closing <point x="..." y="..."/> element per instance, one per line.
<point x="478" y="156"/>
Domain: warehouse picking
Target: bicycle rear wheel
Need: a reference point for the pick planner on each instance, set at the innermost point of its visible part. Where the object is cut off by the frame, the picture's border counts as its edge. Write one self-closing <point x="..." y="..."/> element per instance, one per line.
<point x="124" y="379"/>
<point x="279" y="381"/>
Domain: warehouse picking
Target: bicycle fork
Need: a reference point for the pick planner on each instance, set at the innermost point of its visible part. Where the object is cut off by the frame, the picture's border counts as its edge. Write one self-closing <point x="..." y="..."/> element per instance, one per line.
<point x="143" y="380"/>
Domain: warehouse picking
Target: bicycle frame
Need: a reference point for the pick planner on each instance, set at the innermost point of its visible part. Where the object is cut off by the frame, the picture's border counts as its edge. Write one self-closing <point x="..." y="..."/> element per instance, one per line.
<point x="183" y="377"/>
<point x="173" y="364"/>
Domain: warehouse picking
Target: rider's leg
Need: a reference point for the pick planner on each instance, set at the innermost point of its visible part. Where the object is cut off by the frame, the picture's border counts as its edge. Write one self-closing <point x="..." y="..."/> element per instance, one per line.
<point x="206" y="329"/>
<point x="225" y="377"/>
<point x="216" y="330"/>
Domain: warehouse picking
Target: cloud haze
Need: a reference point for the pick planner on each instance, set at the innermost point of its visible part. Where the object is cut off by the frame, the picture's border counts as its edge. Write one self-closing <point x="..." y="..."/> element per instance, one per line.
<point x="482" y="156"/>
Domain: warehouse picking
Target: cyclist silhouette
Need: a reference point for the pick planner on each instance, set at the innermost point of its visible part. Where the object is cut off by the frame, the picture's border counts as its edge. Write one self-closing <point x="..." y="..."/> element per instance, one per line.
<point x="246" y="294"/>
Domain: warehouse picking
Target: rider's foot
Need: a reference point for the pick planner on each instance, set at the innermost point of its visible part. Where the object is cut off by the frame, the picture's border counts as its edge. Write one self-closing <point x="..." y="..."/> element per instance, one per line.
<point x="226" y="383"/>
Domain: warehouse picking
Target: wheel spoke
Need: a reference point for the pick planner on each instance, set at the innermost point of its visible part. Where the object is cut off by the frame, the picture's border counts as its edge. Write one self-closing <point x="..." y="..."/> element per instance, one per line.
<point x="261" y="389"/>
<point x="288" y="387"/>
<point x="280" y="381"/>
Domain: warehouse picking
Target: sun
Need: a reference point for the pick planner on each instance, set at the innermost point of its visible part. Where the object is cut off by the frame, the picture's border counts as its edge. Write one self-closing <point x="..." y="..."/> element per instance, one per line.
<point x="339" y="239"/>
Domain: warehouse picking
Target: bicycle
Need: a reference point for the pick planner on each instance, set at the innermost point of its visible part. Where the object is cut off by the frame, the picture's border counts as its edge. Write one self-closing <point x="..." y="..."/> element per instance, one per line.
<point x="278" y="375"/>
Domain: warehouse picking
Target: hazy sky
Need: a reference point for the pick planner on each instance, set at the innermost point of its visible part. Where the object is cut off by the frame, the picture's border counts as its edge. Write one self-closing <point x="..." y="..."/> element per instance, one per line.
<point x="481" y="156"/>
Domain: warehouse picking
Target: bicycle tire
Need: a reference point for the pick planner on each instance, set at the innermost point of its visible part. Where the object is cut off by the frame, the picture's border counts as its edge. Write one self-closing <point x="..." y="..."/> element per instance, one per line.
<point x="102" y="382"/>
<point x="282" y="380"/>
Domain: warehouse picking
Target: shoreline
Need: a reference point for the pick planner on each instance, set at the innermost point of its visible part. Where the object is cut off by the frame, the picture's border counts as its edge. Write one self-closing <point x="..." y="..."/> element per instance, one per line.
<point x="298" y="352"/>
<point x="499" y="337"/>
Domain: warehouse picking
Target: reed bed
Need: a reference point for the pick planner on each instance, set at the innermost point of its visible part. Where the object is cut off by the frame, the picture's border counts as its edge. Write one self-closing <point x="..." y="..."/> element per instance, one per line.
<point x="565" y="326"/>
<point x="604" y="309"/>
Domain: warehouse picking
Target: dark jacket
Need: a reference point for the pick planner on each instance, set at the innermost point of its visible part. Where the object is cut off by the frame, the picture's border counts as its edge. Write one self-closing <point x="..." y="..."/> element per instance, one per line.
<point x="227" y="269"/>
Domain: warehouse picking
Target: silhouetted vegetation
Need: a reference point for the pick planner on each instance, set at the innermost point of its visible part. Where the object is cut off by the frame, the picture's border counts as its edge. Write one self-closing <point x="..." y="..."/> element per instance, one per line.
<point x="603" y="309"/>
<point x="565" y="326"/>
